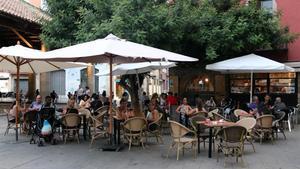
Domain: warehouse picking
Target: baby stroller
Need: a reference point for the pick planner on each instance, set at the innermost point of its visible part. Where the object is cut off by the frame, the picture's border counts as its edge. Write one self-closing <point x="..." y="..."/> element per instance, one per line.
<point x="40" y="137"/>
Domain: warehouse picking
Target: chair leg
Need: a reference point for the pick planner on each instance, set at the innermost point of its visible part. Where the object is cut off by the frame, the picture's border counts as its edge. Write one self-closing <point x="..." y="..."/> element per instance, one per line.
<point x="178" y="150"/>
<point x="289" y="125"/>
<point x="171" y="146"/>
<point x="130" y="141"/>
<point x="77" y="134"/>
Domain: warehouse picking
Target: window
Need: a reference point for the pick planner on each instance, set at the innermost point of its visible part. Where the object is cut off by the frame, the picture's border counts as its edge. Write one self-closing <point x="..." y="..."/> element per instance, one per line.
<point x="269" y="5"/>
<point x="282" y="83"/>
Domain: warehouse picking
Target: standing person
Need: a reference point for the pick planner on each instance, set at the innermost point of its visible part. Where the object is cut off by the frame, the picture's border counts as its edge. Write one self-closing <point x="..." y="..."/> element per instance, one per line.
<point x="87" y="91"/>
<point x="37" y="92"/>
<point x="54" y="96"/>
<point x="80" y="93"/>
<point x="183" y="111"/>
<point x="144" y="98"/>
<point x="69" y="95"/>
<point x="104" y="98"/>
<point x="171" y="103"/>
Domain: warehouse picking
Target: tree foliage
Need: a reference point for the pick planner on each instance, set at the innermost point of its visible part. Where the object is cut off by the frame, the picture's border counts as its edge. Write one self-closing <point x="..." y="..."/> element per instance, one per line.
<point x="205" y="29"/>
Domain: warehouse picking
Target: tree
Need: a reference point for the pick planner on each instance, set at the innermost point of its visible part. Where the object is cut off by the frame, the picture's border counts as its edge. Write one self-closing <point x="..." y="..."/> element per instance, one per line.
<point x="205" y="29"/>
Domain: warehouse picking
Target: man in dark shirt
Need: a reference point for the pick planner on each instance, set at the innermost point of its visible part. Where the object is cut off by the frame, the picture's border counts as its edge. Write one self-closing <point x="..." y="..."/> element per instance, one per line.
<point x="96" y="104"/>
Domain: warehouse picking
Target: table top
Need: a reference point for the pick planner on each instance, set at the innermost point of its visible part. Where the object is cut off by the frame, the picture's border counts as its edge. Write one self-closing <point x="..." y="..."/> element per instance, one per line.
<point x="217" y="123"/>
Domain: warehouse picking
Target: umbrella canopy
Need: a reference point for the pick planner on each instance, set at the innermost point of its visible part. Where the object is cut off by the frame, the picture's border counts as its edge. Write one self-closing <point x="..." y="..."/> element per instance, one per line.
<point x="9" y="60"/>
<point x="136" y="68"/>
<point x="120" y="50"/>
<point x="249" y="63"/>
<point x="19" y="59"/>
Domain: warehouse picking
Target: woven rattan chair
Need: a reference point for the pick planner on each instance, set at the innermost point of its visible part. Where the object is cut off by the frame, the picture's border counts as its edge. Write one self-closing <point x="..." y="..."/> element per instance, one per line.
<point x="249" y="124"/>
<point x="154" y="128"/>
<point x="98" y="127"/>
<point x="180" y="138"/>
<point x="233" y="141"/>
<point x="278" y="125"/>
<point x="202" y="132"/>
<point x="71" y="125"/>
<point x="210" y="114"/>
<point x="264" y="127"/>
<point x="239" y="114"/>
<point x="216" y="116"/>
<point x="134" y="130"/>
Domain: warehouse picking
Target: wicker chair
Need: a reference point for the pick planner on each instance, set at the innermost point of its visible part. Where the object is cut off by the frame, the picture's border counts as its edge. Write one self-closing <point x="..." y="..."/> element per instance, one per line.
<point x="210" y="114"/>
<point x="202" y="133"/>
<point x="233" y="141"/>
<point x="134" y="130"/>
<point x="239" y="114"/>
<point x="264" y="127"/>
<point x="278" y="125"/>
<point x="180" y="140"/>
<point x="249" y="124"/>
<point x="71" y="125"/>
<point x="216" y="116"/>
<point x="98" y="127"/>
<point x="154" y="128"/>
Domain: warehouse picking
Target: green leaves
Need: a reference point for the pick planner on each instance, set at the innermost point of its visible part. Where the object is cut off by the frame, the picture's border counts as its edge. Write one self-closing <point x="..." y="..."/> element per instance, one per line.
<point x="206" y="29"/>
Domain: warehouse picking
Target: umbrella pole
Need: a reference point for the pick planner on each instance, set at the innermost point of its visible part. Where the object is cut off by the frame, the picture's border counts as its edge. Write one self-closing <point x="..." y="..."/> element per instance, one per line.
<point x="110" y="96"/>
<point x="139" y="90"/>
<point x="17" y="96"/>
<point x="251" y="86"/>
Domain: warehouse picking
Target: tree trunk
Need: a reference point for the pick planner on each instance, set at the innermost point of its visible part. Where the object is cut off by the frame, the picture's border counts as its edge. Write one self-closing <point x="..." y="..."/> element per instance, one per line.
<point x="129" y="83"/>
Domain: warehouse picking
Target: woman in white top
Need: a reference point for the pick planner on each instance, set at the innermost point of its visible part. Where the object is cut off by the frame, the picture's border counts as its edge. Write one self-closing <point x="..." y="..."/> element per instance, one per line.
<point x="183" y="111"/>
<point x="85" y="102"/>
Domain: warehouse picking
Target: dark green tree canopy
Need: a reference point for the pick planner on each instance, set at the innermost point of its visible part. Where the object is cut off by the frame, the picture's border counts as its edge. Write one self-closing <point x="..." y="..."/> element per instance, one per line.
<point x="206" y="29"/>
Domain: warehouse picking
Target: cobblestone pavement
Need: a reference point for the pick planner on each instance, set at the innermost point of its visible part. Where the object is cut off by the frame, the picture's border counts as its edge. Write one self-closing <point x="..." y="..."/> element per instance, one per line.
<point x="283" y="154"/>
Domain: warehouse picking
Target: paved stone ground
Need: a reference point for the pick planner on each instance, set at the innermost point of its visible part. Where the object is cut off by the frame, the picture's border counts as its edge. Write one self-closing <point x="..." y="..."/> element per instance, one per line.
<point x="283" y="154"/>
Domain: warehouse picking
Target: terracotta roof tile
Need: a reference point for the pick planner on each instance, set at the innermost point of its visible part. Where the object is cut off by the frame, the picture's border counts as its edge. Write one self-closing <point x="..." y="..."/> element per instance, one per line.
<point x="22" y="9"/>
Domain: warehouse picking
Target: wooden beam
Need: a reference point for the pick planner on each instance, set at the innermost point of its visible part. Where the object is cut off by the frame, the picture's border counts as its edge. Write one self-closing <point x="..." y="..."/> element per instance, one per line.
<point x="21" y="37"/>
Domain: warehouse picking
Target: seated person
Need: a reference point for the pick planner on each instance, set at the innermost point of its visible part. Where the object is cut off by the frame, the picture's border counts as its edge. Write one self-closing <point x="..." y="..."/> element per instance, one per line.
<point x="210" y="104"/>
<point x="85" y="102"/>
<point x="96" y="104"/>
<point x="123" y="112"/>
<point x="199" y="108"/>
<point x="265" y="106"/>
<point x="12" y="112"/>
<point x="253" y="107"/>
<point x="278" y="107"/>
<point x="71" y="104"/>
<point x="48" y="103"/>
<point x="37" y="104"/>
<point x="152" y="114"/>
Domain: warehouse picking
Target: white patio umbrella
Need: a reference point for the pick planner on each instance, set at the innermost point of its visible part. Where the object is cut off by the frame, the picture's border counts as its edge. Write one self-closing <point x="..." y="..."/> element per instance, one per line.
<point x="137" y="68"/>
<point x="18" y="59"/>
<point x="111" y="50"/>
<point x="249" y="64"/>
